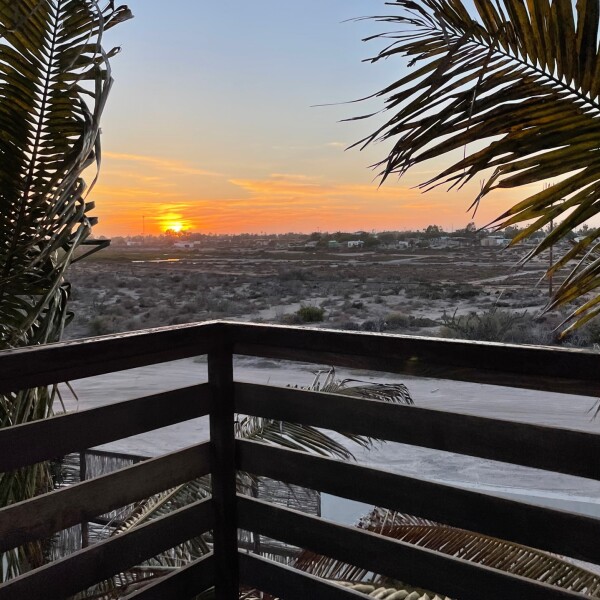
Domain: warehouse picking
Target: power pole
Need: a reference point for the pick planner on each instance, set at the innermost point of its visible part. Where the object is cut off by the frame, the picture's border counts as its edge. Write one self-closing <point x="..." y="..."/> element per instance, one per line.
<point x="551" y="253"/>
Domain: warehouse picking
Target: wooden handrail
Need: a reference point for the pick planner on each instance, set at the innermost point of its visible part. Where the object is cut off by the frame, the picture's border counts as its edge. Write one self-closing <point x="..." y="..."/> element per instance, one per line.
<point x="564" y="370"/>
<point x="44" y="515"/>
<point x="399" y="560"/>
<point x="571" y="534"/>
<point x="46" y="439"/>
<point x="550" y="448"/>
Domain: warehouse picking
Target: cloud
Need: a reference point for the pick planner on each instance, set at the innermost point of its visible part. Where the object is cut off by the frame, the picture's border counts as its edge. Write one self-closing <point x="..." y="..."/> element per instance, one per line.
<point x="286" y="202"/>
<point x="162" y="164"/>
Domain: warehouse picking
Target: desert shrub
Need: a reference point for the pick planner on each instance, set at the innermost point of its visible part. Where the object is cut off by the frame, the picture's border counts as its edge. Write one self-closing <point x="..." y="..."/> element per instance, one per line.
<point x="397" y="320"/>
<point x="347" y="325"/>
<point x="377" y="325"/>
<point x="293" y="275"/>
<point x="497" y="325"/>
<point x="463" y="292"/>
<point x="430" y="291"/>
<point x="310" y="314"/>
<point x="103" y="325"/>
<point x="421" y="322"/>
<point x="291" y="319"/>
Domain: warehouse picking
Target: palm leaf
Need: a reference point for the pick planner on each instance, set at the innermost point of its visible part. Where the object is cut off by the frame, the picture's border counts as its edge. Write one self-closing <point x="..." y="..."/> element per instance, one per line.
<point x="484" y="550"/>
<point x="516" y="85"/>
<point x="54" y="81"/>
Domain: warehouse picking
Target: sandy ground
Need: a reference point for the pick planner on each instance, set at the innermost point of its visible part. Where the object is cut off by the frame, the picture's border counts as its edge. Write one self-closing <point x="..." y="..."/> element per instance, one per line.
<point x="491" y="401"/>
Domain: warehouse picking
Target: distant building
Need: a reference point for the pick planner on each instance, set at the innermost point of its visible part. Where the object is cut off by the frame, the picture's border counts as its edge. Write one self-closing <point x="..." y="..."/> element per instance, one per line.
<point x="333" y="244"/>
<point x="311" y="244"/>
<point x="186" y="245"/>
<point x="493" y="241"/>
<point x="356" y="244"/>
<point x="131" y="243"/>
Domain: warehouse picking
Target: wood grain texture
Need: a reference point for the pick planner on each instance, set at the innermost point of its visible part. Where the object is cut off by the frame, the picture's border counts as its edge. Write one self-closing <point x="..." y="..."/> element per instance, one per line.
<point x="284" y="582"/>
<point x="63" y="578"/>
<point x="52" y="438"/>
<point x="569" y="534"/>
<point x="550" y="448"/>
<point x="44" y="515"/>
<point x="418" y="567"/>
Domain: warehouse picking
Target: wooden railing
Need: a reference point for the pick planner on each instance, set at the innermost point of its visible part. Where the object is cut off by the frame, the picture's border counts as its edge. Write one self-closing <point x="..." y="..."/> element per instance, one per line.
<point x="559" y="450"/>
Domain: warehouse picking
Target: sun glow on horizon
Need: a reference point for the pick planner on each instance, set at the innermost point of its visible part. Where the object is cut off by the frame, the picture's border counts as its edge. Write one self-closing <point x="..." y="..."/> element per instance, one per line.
<point x="177" y="227"/>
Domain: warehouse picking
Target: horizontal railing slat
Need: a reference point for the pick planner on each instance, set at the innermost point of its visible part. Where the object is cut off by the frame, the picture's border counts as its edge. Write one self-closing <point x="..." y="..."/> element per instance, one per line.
<point x="416" y="566"/>
<point x="571" y="534"/>
<point x="65" y="577"/>
<point x="44" y="515"/>
<point x="183" y="584"/>
<point x="46" y="439"/>
<point x="550" y="448"/>
<point x="53" y="363"/>
<point x="569" y="371"/>
<point x="284" y="582"/>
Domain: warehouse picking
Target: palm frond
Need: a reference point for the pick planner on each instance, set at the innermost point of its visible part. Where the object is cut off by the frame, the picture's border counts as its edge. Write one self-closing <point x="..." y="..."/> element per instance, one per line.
<point x="474" y="547"/>
<point x="54" y="82"/>
<point x="514" y="84"/>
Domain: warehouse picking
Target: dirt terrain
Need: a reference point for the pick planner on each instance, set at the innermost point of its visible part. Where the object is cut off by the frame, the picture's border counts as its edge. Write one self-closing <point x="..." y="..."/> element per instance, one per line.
<point x="423" y="291"/>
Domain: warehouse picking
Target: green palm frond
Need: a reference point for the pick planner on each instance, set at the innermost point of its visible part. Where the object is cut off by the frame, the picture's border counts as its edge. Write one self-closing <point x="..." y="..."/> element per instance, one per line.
<point x="515" y="86"/>
<point x="54" y="82"/>
<point x="484" y="550"/>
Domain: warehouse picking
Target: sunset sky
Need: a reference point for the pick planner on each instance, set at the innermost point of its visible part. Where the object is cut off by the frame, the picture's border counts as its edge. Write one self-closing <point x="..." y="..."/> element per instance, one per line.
<point x="212" y="124"/>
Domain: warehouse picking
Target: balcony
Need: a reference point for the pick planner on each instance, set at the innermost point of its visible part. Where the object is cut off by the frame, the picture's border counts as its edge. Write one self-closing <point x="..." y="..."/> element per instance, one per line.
<point x="228" y="566"/>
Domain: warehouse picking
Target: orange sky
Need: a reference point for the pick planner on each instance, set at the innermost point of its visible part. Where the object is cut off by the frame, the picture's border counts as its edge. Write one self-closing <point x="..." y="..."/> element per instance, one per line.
<point x="214" y="128"/>
<point x="157" y="193"/>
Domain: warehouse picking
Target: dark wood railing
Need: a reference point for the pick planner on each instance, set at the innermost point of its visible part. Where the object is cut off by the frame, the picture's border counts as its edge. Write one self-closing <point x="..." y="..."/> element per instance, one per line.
<point x="554" y="449"/>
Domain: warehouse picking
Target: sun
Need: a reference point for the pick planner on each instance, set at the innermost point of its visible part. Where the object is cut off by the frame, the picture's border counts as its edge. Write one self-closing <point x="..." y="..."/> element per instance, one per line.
<point x="176" y="226"/>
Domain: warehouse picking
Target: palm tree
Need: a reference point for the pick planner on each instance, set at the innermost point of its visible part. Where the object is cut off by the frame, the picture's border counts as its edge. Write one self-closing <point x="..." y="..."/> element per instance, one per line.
<point x="54" y="82"/>
<point x="516" y="85"/>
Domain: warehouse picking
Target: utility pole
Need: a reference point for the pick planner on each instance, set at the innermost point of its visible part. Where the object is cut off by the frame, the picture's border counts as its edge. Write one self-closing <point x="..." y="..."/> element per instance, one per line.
<point x="551" y="254"/>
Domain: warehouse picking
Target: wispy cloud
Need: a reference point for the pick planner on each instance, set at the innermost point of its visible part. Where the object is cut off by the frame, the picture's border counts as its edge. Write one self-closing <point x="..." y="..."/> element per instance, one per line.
<point x="162" y="164"/>
<point x="285" y="202"/>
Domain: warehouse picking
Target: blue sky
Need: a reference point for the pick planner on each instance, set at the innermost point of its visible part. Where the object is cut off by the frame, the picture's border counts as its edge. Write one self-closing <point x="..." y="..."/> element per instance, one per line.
<point x="212" y="121"/>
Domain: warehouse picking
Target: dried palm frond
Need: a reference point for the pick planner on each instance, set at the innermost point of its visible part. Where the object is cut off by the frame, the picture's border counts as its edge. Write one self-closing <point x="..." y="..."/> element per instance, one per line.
<point x="474" y="547"/>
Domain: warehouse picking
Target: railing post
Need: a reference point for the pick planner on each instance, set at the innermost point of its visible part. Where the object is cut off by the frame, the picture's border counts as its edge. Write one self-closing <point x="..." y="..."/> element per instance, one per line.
<point x="222" y="435"/>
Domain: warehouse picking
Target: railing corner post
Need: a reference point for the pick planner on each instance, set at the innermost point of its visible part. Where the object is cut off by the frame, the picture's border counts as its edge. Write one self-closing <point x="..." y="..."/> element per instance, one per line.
<point x="223" y="468"/>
